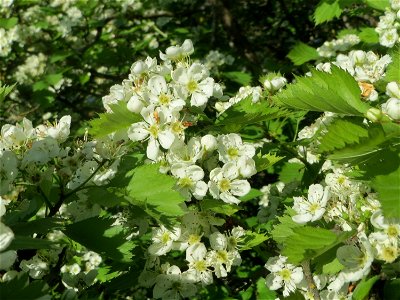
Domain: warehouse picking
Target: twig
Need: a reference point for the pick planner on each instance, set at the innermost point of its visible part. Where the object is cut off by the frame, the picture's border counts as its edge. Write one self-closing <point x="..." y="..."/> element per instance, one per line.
<point x="311" y="286"/>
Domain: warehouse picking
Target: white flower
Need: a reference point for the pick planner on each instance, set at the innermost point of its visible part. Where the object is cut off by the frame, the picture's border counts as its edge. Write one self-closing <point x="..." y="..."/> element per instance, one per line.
<point x="159" y="94"/>
<point x="313" y="208"/>
<point x="283" y="275"/>
<point x="222" y="258"/>
<point x="178" y="52"/>
<point x="224" y="184"/>
<point x="36" y="267"/>
<point x="386" y="248"/>
<point x="389" y="37"/>
<point x="185" y="153"/>
<point x="193" y="82"/>
<point x="390" y="226"/>
<point x="199" y="270"/>
<point x="6" y="236"/>
<point x="163" y="240"/>
<point x="173" y="285"/>
<point x="392" y="108"/>
<point x="154" y="128"/>
<point x="60" y="131"/>
<point x="231" y="148"/>
<point x="190" y="180"/>
<point x="393" y="89"/>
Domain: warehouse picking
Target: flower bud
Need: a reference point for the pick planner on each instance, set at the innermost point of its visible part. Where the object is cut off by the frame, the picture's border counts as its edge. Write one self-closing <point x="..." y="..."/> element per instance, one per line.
<point x="209" y="142"/>
<point x="358" y="57"/>
<point x="187" y="47"/>
<point x="374" y="115"/>
<point x="138" y="67"/>
<point x="392" y="108"/>
<point x="278" y="82"/>
<point x="393" y="90"/>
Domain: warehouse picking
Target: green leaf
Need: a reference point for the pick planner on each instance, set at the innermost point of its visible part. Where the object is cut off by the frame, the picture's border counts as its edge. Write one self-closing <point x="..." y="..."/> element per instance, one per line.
<point x="238" y="77"/>
<point x="252" y="239"/>
<point x="155" y="190"/>
<point x="333" y="267"/>
<point x="291" y="172"/>
<point x="327" y="11"/>
<point x="308" y="242"/>
<point x="219" y="207"/>
<point x="25" y="242"/>
<point x="254" y="193"/>
<point x="392" y="72"/>
<point x="53" y="79"/>
<point x="8" y="23"/>
<point x="340" y="132"/>
<point x="336" y="92"/>
<point x="302" y="53"/>
<point x="99" y="235"/>
<point x="5" y="90"/>
<point x="265" y="161"/>
<point x="263" y="292"/>
<point x="120" y="118"/>
<point x="391" y="290"/>
<point x="284" y="229"/>
<point x="363" y="288"/>
<point x="60" y="56"/>
<point x="369" y="35"/>
<point x="378" y="4"/>
<point x="388" y="189"/>
<point x="37" y="226"/>
<point x="244" y="113"/>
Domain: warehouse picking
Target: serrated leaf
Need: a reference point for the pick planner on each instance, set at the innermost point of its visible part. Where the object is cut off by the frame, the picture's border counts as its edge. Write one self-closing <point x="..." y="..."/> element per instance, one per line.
<point x="363" y="287"/>
<point x="120" y="118"/>
<point x="392" y="71"/>
<point x="302" y="53"/>
<point x="245" y="113"/>
<point x="99" y="235"/>
<point x="265" y="161"/>
<point x="238" y="77"/>
<point x="340" y="132"/>
<point x="284" y="229"/>
<point x="336" y="92"/>
<point x="5" y="90"/>
<point x="252" y="239"/>
<point x="219" y="207"/>
<point x="369" y="35"/>
<point x="153" y="189"/>
<point x="388" y="189"/>
<point x="308" y="242"/>
<point x="327" y="11"/>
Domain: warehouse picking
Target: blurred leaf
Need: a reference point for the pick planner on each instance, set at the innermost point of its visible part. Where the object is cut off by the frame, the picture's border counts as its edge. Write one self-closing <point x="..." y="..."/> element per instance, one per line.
<point x="284" y="229"/>
<point x="302" y="53"/>
<point x="5" y="90"/>
<point x="8" y="23"/>
<point x="254" y="193"/>
<point x="378" y="4"/>
<point x="263" y="292"/>
<point x="391" y="290"/>
<point x="37" y="226"/>
<point x="392" y="71"/>
<point x="265" y="161"/>
<point x="252" y="239"/>
<point x="291" y="172"/>
<point x="238" y="77"/>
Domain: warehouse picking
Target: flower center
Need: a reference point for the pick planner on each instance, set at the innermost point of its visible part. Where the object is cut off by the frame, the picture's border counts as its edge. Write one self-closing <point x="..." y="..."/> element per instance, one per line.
<point x="285" y="274"/>
<point x="185" y="182"/>
<point x="193" y="239"/>
<point x="177" y="127"/>
<point x="224" y="185"/>
<point x="314" y="207"/>
<point x="200" y="265"/>
<point x="153" y="129"/>
<point x="164" y="99"/>
<point x="192" y="86"/>
<point x="392" y="231"/>
<point x="233" y="152"/>
<point x="165" y="238"/>
<point x="222" y="256"/>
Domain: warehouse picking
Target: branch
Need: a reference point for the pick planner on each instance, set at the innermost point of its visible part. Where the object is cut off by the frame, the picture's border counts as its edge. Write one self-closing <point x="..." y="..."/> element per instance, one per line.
<point x="311" y="286"/>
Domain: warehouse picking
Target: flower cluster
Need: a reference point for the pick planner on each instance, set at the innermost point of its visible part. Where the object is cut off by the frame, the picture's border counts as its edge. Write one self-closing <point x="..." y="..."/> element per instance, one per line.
<point x="389" y="25"/>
